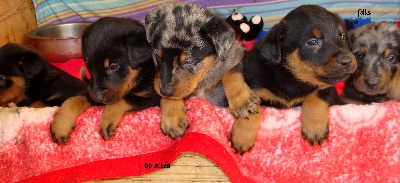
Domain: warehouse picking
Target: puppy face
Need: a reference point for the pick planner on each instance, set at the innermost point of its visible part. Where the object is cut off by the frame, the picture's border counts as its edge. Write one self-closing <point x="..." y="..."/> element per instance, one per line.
<point x="186" y="40"/>
<point x="376" y="47"/>
<point x="114" y="50"/>
<point x="18" y="66"/>
<point x="312" y="43"/>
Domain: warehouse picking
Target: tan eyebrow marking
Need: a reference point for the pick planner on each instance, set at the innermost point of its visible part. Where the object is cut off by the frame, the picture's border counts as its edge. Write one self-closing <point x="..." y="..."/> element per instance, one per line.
<point x="106" y="63"/>
<point x="317" y="33"/>
<point x="183" y="56"/>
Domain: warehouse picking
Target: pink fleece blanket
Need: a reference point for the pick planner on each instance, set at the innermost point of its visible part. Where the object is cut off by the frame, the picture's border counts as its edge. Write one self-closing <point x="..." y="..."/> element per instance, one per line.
<point x="363" y="145"/>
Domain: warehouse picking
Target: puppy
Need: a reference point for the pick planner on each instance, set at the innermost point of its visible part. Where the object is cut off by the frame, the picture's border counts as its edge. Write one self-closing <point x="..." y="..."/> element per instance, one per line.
<point x="376" y="47"/>
<point x="28" y="79"/>
<point x="196" y="54"/>
<point x="298" y="62"/>
<point x="118" y="58"/>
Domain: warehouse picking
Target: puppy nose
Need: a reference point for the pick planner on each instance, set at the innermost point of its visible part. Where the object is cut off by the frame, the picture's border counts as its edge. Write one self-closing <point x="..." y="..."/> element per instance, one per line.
<point x="167" y="90"/>
<point x="372" y="83"/>
<point x="344" y="61"/>
<point x="97" y="95"/>
<point x="2" y="80"/>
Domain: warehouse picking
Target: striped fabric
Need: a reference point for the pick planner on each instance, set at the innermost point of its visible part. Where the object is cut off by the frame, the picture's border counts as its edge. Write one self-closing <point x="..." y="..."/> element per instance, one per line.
<point x="56" y="11"/>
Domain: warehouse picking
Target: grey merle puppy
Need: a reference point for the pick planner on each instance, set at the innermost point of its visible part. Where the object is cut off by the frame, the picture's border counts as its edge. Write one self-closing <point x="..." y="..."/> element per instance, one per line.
<point x="376" y="47"/>
<point x="196" y="54"/>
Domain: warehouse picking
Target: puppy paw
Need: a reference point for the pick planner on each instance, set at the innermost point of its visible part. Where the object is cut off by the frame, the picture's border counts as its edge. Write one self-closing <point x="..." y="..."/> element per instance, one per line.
<point x="242" y="141"/>
<point x="244" y="103"/>
<point x="64" y="120"/>
<point x="244" y="132"/>
<point x="173" y="117"/>
<point x="174" y="125"/>
<point x="107" y="129"/>
<point x="112" y="117"/>
<point x="314" y="117"/>
<point x="315" y="133"/>
<point x="60" y="129"/>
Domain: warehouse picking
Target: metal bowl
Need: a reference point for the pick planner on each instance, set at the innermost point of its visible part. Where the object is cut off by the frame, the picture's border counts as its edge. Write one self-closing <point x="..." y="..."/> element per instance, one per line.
<point x="59" y="42"/>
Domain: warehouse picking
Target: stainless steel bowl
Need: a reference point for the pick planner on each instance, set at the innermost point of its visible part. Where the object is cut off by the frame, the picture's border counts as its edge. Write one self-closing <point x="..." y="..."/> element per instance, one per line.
<point x="59" y="42"/>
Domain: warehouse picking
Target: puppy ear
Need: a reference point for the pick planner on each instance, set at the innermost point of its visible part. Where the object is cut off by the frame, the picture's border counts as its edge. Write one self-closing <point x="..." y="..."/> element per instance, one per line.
<point x="31" y="63"/>
<point x="139" y="50"/>
<point x="221" y="35"/>
<point x="270" y="47"/>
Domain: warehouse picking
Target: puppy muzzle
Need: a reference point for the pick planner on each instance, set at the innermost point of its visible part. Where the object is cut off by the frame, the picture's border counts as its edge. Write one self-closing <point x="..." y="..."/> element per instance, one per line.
<point x="347" y="61"/>
<point x="371" y="83"/>
<point x="167" y="90"/>
<point x="344" y="61"/>
<point x="97" y="95"/>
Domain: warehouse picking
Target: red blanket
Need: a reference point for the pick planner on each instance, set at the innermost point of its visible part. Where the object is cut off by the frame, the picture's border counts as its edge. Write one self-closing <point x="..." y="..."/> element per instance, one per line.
<point x="363" y="145"/>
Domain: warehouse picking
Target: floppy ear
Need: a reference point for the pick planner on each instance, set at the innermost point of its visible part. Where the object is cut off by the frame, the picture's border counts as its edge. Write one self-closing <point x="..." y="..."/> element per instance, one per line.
<point x="31" y="63"/>
<point x="139" y="50"/>
<point x="270" y="47"/>
<point x="221" y="35"/>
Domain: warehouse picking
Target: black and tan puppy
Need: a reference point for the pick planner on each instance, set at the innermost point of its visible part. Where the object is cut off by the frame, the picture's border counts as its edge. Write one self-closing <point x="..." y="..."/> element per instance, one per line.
<point x="196" y="54"/>
<point x="376" y="47"/>
<point x="298" y="62"/>
<point x="28" y="79"/>
<point x="118" y="58"/>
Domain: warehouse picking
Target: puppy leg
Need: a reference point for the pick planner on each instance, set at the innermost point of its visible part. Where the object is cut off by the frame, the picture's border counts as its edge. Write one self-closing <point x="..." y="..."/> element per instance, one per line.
<point x="111" y="118"/>
<point x="242" y="100"/>
<point x="244" y="104"/>
<point x="314" y="115"/>
<point x="64" y="120"/>
<point x="244" y="132"/>
<point x="173" y="119"/>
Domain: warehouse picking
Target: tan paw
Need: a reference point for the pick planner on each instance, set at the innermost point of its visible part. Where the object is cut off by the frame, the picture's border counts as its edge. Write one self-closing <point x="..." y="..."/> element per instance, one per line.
<point x="64" y="120"/>
<point x="242" y="100"/>
<point x="112" y="117"/>
<point x="60" y="128"/>
<point x="244" y="132"/>
<point x="244" y="103"/>
<point x="173" y="118"/>
<point x="314" y="119"/>
<point x="315" y="133"/>
<point x="174" y="126"/>
<point x="108" y="128"/>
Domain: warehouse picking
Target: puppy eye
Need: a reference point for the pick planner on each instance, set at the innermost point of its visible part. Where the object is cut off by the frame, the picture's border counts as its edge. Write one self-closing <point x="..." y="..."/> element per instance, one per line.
<point x="312" y="42"/>
<point x="391" y="59"/>
<point x="343" y="36"/>
<point x="359" y="55"/>
<point x="114" y="66"/>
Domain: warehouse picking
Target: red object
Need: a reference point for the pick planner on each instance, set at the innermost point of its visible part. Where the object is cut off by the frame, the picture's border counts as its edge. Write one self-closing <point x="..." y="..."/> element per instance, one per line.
<point x="363" y="146"/>
<point x="73" y="67"/>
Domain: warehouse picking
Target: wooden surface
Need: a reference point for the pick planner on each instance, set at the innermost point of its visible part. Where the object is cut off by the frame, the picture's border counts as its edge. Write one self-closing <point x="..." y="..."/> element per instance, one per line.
<point x="189" y="167"/>
<point x="17" y="17"/>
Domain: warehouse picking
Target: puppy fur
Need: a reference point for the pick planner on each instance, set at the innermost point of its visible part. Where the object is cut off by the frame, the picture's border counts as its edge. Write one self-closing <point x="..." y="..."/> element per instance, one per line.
<point x="298" y="62"/>
<point x="28" y="79"/>
<point x="118" y="58"/>
<point x="196" y="54"/>
<point x="376" y="47"/>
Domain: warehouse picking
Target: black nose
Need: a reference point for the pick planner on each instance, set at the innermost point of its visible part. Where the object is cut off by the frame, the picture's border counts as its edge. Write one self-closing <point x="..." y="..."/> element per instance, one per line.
<point x="344" y="61"/>
<point x="167" y="90"/>
<point x="2" y="80"/>
<point x="372" y="83"/>
<point x="97" y="95"/>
